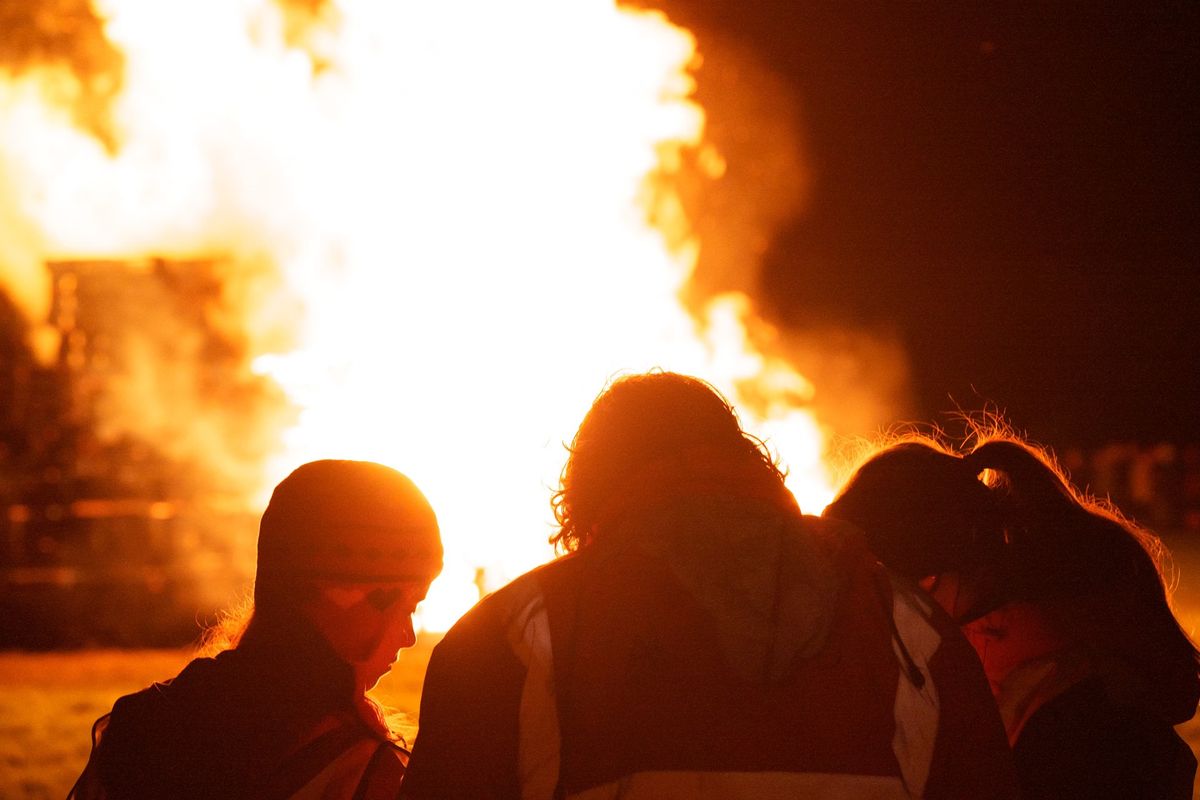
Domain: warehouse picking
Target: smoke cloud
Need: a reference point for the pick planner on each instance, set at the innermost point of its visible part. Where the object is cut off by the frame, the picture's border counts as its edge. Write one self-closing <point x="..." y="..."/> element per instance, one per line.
<point x="63" y="44"/>
<point x="751" y="177"/>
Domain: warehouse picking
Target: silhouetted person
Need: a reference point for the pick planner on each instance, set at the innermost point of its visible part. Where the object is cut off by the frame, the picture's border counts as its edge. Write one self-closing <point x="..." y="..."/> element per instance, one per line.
<point x="701" y="639"/>
<point x="1063" y="600"/>
<point x="346" y="550"/>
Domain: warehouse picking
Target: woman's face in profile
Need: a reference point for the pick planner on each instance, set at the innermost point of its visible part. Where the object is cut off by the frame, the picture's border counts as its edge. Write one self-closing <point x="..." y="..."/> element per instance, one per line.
<point x="367" y="624"/>
<point x="395" y="604"/>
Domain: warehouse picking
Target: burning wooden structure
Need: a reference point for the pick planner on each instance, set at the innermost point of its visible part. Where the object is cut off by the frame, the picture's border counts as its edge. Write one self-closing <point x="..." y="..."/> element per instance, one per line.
<point x="104" y="537"/>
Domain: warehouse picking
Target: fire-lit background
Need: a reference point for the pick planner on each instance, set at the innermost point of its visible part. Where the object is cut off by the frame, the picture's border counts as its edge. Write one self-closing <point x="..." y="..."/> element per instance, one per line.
<point x="236" y="235"/>
<point x="249" y="234"/>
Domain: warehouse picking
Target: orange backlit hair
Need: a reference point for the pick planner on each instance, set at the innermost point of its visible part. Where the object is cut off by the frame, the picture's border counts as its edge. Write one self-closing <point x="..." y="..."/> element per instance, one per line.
<point x="637" y="420"/>
<point x="1001" y="508"/>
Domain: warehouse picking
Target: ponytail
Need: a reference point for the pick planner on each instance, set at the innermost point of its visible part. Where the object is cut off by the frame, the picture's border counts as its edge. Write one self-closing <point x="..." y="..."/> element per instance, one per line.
<point x="924" y="513"/>
<point x="1096" y="572"/>
<point x="1060" y="542"/>
<point x="1037" y="487"/>
<point x="1044" y="525"/>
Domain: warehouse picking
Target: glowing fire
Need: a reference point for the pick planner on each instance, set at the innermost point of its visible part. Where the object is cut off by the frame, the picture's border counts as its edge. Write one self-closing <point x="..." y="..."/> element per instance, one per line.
<point x="454" y="196"/>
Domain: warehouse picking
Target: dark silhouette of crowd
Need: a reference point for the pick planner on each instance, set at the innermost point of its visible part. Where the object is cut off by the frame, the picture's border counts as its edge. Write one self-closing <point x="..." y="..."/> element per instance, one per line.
<point x="1157" y="484"/>
<point x="961" y="622"/>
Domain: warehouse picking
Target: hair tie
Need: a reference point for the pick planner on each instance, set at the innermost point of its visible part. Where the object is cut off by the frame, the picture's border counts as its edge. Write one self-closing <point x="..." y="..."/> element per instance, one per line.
<point x="974" y="463"/>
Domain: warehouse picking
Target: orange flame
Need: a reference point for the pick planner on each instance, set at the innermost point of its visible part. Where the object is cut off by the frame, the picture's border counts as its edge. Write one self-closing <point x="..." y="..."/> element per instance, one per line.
<point x="454" y="197"/>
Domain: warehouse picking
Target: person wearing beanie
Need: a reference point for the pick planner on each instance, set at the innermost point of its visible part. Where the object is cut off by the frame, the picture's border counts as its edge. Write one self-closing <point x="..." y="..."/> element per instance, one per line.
<point x="346" y="551"/>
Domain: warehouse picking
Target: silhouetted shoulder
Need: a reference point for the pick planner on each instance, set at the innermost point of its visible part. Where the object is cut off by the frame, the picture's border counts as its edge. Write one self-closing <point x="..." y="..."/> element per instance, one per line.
<point x="1081" y="744"/>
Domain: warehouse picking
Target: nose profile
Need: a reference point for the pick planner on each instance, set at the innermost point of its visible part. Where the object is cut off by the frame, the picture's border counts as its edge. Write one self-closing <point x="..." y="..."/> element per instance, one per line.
<point x="408" y="636"/>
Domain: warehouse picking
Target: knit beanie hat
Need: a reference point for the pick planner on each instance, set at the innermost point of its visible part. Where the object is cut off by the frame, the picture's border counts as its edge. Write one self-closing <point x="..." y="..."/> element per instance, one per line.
<point x="355" y="521"/>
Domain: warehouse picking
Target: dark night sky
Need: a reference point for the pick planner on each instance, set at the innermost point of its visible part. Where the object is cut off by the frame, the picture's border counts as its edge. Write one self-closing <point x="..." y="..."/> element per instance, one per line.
<point x="1012" y="188"/>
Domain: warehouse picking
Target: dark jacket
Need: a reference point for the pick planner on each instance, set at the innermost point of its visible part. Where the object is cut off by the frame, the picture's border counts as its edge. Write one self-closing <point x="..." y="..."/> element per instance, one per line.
<point x="1094" y="722"/>
<point x="715" y="648"/>
<point x="227" y="727"/>
<point x="1082" y="744"/>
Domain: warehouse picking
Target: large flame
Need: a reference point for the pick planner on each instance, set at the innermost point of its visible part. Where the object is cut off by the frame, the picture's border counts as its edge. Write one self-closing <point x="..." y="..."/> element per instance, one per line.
<point x="453" y="196"/>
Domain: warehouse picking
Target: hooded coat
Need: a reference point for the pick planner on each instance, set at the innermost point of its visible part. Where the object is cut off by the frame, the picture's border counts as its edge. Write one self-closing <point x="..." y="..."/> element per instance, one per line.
<point x="709" y="647"/>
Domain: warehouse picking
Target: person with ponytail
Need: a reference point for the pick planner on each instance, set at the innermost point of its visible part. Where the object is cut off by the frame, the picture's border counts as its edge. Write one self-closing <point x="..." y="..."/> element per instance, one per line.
<point x="701" y="638"/>
<point x="346" y="550"/>
<point x="1063" y="599"/>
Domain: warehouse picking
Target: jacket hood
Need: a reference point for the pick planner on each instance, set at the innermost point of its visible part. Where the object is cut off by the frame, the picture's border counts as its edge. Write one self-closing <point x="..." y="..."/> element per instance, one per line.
<point x="766" y="576"/>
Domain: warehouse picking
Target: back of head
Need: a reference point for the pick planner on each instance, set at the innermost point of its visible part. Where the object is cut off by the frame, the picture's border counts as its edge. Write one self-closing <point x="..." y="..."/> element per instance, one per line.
<point x="922" y="510"/>
<point x="694" y="530"/>
<point x="636" y="422"/>
<point x="1062" y="543"/>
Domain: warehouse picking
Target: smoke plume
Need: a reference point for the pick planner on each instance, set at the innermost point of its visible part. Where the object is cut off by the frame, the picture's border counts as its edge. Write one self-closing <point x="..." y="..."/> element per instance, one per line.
<point x="749" y="178"/>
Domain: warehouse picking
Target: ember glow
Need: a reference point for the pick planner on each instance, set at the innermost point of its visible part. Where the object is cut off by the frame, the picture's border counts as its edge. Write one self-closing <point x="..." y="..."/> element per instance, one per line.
<point x="435" y="216"/>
